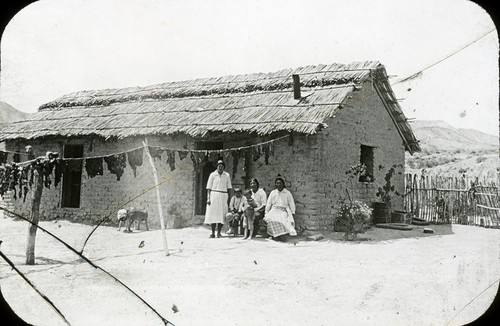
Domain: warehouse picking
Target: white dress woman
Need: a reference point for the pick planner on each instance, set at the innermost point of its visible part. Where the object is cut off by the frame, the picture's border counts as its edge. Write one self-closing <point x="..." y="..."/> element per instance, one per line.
<point x="280" y="209"/>
<point x="218" y="185"/>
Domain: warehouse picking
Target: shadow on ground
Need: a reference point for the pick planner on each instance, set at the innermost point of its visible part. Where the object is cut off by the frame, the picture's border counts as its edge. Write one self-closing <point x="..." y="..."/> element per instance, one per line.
<point x="376" y="234"/>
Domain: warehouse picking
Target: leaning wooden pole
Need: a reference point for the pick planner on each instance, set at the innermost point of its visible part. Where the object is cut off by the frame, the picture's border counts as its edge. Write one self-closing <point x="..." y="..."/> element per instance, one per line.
<point x="34" y="216"/>
<point x="158" y="196"/>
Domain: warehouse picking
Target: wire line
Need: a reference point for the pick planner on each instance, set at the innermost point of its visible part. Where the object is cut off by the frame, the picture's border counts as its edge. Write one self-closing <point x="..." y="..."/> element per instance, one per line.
<point x="166" y="322"/>
<point x="445" y="58"/>
<point x="44" y="297"/>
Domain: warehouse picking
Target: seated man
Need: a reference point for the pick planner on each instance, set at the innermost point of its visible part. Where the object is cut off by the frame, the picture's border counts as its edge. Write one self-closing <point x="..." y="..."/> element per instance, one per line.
<point x="260" y="197"/>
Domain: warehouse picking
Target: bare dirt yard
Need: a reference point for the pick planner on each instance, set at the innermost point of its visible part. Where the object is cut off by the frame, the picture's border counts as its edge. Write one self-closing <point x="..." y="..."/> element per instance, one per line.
<point x="387" y="277"/>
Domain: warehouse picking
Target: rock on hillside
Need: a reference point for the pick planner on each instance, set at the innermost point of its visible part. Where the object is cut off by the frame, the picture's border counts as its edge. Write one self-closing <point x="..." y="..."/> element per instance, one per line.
<point x="440" y="136"/>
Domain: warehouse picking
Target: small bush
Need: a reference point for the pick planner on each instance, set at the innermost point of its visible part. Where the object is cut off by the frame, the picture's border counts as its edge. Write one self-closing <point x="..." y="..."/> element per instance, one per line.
<point x="480" y="159"/>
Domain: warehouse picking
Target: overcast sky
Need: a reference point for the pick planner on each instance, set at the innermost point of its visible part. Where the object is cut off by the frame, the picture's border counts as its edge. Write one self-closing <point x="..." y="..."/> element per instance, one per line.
<point x="54" y="47"/>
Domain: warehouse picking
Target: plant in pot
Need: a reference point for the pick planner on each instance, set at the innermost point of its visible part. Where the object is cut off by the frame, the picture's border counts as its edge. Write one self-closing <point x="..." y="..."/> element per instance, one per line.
<point x="386" y="192"/>
<point x="353" y="215"/>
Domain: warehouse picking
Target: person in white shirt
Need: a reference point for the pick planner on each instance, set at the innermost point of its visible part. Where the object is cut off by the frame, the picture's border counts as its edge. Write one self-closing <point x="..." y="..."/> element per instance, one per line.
<point x="218" y="186"/>
<point x="233" y="218"/>
<point x="280" y="211"/>
<point x="260" y="197"/>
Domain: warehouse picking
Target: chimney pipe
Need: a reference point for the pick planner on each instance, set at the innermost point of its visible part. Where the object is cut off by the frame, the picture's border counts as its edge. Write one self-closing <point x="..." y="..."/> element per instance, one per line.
<point x="296" y="87"/>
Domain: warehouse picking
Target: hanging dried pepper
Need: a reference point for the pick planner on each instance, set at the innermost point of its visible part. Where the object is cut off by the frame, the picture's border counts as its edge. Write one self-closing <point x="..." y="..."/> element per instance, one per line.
<point x="116" y="164"/>
<point x="266" y="150"/>
<point x="47" y="168"/>
<point x="3" y="178"/>
<point x="155" y="152"/>
<point x="135" y="159"/>
<point x="93" y="166"/>
<point x="58" y="171"/>
<point x="13" y="179"/>
<point x="171" y="159"/>
<point x="193" y="158"/>
<point x="23" y="182"/>
<point x="19" y="178"/>
<point x="198" y="158"/>
<point x="182" y="154"/>
<point x="3" y="157"/>
<point x="256" y="153"/>
<point x="236" y="155"/>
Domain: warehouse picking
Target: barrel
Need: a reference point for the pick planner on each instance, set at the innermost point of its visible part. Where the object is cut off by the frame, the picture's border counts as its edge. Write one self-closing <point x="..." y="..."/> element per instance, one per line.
<point x="381" y="213"/>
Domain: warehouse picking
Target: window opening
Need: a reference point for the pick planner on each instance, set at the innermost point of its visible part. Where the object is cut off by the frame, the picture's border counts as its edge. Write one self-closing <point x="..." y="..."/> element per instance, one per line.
<point x="367" y="158"/>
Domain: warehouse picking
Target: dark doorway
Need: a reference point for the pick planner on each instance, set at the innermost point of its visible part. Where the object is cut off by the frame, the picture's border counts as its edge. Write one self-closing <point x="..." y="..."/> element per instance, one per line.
<point x="202" y="173"/>
<point x="72" y="180"/>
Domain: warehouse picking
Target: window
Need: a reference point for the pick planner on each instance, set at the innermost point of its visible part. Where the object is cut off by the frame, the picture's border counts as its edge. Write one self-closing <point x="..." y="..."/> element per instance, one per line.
<point x="72" y="179"/>
<point x="366" y="158"/>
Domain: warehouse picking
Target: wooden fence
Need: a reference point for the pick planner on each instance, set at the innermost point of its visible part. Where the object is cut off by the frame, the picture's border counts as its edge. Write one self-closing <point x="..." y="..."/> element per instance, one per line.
<point x="452" y="200"/>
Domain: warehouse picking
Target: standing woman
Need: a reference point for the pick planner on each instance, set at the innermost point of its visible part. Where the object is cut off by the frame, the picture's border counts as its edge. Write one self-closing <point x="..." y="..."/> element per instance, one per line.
<point x="218" y="185"/>
<point x="280" y="210"/>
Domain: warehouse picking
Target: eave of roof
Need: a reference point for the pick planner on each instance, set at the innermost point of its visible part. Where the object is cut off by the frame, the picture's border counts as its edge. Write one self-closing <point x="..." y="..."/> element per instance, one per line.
<point x="256" y="103"/>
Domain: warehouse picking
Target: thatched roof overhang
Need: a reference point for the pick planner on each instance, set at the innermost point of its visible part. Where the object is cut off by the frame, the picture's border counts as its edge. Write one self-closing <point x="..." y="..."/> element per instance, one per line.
<point x="384" y="90"/>
<point x="261" y="104"/>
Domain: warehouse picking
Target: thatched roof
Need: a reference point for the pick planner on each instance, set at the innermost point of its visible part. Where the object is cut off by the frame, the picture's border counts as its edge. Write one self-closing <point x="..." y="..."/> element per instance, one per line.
<point x="259" y="103"/>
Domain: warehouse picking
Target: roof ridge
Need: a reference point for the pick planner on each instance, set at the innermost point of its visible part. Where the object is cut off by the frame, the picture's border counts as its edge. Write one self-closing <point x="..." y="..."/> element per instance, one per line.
<point x="229" y="84"/>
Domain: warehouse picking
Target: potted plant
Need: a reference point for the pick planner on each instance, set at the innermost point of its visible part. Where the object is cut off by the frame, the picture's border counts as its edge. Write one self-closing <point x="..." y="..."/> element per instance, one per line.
<point x="386" y="192"/>
<point x="354" y="215"/>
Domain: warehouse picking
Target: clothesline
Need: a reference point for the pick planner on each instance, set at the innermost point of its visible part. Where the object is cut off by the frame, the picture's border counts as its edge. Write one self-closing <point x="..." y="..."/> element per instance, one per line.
<point x="160" y="147"/>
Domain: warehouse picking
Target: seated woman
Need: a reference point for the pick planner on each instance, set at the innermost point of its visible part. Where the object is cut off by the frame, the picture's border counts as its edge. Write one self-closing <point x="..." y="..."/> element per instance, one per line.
<point x="260" y="197"/>
<point x="280" y="209"/>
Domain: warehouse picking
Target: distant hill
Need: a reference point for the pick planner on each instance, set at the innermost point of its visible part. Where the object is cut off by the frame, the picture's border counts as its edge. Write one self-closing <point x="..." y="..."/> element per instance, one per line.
<point x="9" y="114"/>
<point x="451" y="151"/>
<point x="437" y="135"/>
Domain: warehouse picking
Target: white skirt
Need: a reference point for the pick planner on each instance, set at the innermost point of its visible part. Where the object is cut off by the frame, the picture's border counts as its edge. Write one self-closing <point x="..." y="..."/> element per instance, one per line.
<point x="217" y="210"/>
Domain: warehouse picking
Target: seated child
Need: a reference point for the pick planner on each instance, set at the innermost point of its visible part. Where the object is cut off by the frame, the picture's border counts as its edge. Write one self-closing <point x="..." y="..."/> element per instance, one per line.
<point x="248" y="208"/>
<point x="233" y="218"/>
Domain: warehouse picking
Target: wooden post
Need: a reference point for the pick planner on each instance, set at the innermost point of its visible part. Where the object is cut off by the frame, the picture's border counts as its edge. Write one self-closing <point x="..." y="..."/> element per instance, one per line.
<point x="34" y="216"/>
<point x="158" y="196"/>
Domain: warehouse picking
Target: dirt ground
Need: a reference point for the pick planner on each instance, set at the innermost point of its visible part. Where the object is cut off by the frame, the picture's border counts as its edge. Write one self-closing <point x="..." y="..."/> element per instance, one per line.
<point x="387" y="277"/>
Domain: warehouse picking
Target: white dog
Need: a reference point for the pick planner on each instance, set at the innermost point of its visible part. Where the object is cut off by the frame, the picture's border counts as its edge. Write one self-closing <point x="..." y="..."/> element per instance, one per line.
<point x="122" y="217"/>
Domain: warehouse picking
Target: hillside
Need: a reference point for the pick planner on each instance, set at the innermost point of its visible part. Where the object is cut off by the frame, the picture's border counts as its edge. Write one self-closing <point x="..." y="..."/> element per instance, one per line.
<point x="453" y="151"/>
<point x="9" y="114"/>
<point x="440" y="136"/>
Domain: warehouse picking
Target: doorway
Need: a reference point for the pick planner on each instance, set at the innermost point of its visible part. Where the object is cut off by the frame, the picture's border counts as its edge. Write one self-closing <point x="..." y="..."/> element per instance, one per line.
<point x="202" y="173"/>
<point x="72" y="180"/>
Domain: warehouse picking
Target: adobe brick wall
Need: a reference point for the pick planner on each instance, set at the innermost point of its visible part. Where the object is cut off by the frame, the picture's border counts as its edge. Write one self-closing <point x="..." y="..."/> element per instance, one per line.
<point x="314" y="167"/>
<point x="363" y="121"/>
<point x="102" y="196"/>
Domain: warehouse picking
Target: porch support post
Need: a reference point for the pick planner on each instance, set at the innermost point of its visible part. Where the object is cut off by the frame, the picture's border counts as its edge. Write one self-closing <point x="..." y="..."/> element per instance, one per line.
<point x="158" y="197"/>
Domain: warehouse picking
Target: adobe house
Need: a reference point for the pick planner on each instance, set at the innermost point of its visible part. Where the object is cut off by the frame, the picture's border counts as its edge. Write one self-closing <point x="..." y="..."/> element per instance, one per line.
<point x="308" y="124"/>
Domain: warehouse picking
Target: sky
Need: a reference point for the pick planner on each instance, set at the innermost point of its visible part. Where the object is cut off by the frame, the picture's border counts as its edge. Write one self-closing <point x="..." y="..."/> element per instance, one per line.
<point x="55" y="47"/>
